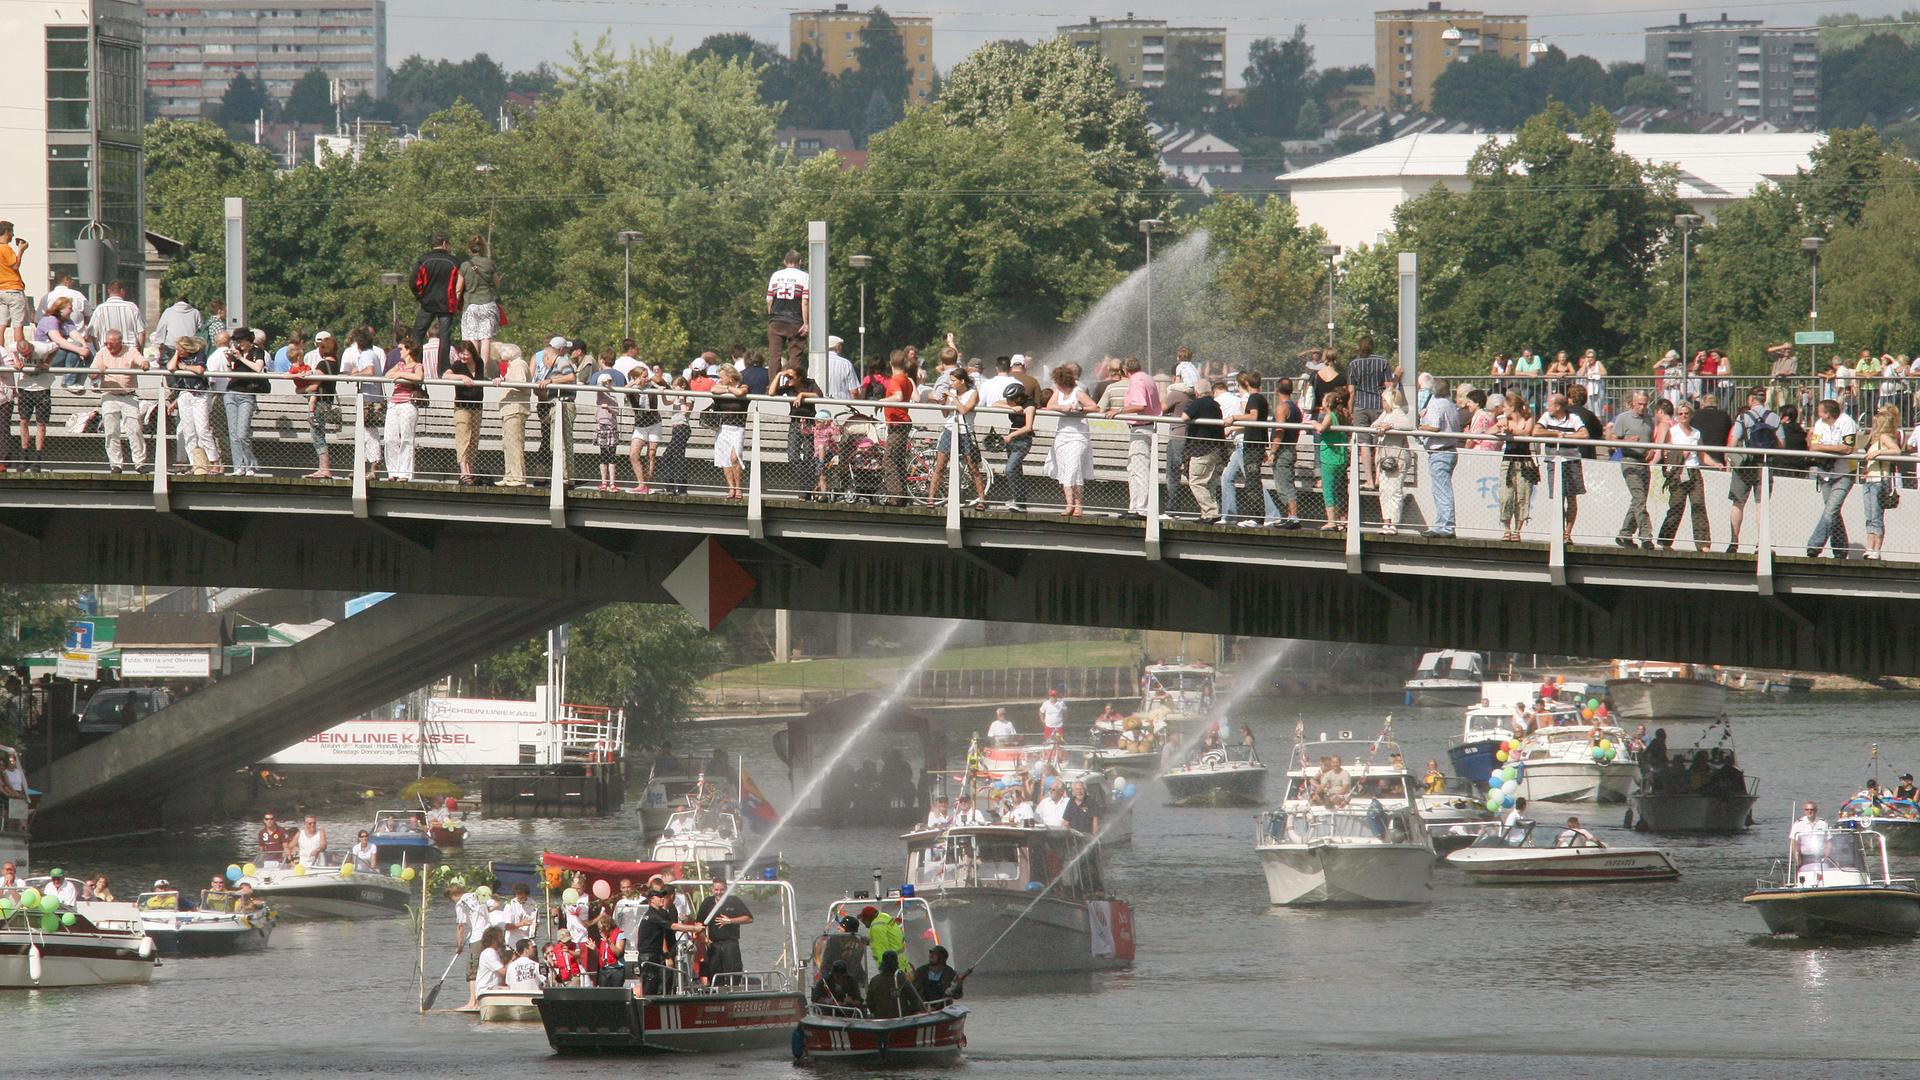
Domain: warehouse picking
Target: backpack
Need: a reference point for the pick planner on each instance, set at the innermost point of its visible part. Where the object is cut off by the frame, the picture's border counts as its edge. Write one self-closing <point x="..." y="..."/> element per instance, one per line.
<point x="1764" y="435"/>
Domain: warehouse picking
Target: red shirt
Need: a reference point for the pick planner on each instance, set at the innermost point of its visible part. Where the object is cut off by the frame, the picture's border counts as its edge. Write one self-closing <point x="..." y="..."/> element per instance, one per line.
<point x="900" y="386"/>
<point x="273" y="841"/>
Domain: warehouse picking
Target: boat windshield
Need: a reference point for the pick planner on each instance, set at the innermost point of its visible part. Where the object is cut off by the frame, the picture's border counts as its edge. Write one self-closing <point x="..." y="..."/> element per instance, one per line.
<point x="704" y="821"/>
<point x="1827" y="850"/>
<point x="399" y="823"/>
<point x="1371" y="824"/>
<point x="993" y="859"/>
<point x="1486" y="720"/>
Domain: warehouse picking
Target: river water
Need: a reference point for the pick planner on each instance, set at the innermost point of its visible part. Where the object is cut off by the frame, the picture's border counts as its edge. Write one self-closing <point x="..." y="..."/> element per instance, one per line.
<point x="1651" y="979"/>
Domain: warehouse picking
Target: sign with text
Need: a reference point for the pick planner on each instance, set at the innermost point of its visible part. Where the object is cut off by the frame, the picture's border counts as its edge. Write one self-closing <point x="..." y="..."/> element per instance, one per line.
<point x="166" y="663"/>
<point x="457" y="732"/>
<point x="1813" y="337"/>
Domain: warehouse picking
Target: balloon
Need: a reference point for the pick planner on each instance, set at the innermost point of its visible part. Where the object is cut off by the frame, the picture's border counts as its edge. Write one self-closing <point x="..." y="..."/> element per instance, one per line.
<point x="393" y="871"/>
<point x="1507" y="802"/>
<point x="1603" y="711"/>
<point x="30" y="897"/>
<point x="49" y="903"/>
<point x="602" y="890"/>
<point x="1586" y="714"/>
<point x="1510" y="773"/>
<point x="485" y="891"/>
<point x="49" y="923"/>
<point x="233" y="873"/>
<point x="408" y="873"/>
<point x="1606" y="744"/>
<point x="249" y="870"/>
<point x="299" y="869"/>
<point x="1131" y="790"/>
<point x="1593" y="703"/>
<point x="570" y="897"/>
<point x="1508" y="787"/>
<point x="1493" y="805"/>
<point x="6" y="908"/>
<point x="346" y="869"/>
<point x="68" y="919"/>
<point x="1500" y="755"/>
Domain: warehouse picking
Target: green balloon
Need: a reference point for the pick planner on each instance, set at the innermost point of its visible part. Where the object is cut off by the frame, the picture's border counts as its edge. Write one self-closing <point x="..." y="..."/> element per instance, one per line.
<point x="68" y="919"/>
<point x="30" y="897"/>
<point x="49" y="923"/>
<point x="6" y="907"/>
<point x="49" y="904"/>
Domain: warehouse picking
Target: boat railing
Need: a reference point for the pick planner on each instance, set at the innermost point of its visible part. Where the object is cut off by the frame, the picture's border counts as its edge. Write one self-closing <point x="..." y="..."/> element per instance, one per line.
<point x="672" y="978"/>
<point x="771" y="980"/>
<point x="840" y="1012"/>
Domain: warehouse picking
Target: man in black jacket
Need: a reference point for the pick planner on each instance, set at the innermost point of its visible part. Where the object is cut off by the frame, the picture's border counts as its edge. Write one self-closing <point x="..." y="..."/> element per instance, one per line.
<point x="436" y="284"/>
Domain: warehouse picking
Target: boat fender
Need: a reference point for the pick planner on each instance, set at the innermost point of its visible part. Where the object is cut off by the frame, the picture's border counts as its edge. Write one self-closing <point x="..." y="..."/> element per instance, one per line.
<point x="146" y="948"/>
<point x="34" y="968"/>
<point x="799" y="1043"/>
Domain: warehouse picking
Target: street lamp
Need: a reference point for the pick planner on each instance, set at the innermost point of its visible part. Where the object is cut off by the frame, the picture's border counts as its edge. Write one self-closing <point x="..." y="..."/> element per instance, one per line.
<point x="1812" y="245"/>
<point x="861" y="263"/>
<point x="1148" y="227"/>
<point x="1331" y="251"/>
<point x="1686" y="223"/>
<point x="392" y="279"/>
<point x="627" y="239"/>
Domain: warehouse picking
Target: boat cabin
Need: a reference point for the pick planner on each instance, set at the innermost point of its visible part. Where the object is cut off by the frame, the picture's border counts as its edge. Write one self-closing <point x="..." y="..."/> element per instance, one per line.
<point x="1072" y="762"/>
<point x="1830" y="858"/>
<point x="1527" y="833"/>
<point x="1368" y="823"/>
<point x="703" y="837"/>
<point x="1450" y="664"/>
<point x="1182" y="688"/>
<point x="1573" y="744"/>
<point x="1004" y="857"/>
<point x="1375" y="768"/>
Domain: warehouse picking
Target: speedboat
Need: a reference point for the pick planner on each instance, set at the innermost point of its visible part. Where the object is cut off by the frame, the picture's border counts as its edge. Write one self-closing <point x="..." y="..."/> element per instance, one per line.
<point x="1896" y="820"/>
<point x="1177" y="694"/>
<point x="1224" y="776"/>
<point x="1030" y="898"/>
<point x="1642" y="690"/>
<point x="1522" y="854"/>
<point x="747" y="1010"/>
<point x="1455" y="815"/>
<point x="1836" y="884"/>
<point x="1508" y="708"/>
<point x="1694" y="790"/>
<point x="1584" y="763"/>
<point x="1446" y="677"/>
<point x="403" y="838"/>
<point x="329" y="892"/>
<point x="1131" y="747"/>
<point x="212" y="929"/>
<point x="670" y="788"/>
<point x="845" y="1035"/>
<point x="92" y="944"/>
<point x="702" y="840"/>
<point x="1366" y="847"/>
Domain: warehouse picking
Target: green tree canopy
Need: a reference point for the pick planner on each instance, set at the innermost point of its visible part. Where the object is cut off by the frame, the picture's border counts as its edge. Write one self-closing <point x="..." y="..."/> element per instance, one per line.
<point x="1183" y="100"/>
<point x="1651" y="91"/>
<point x="1279" y="80"/>
<point x="1870" y="82"/>
<point x="244" y="101"/>
<point x="311" y="100"/>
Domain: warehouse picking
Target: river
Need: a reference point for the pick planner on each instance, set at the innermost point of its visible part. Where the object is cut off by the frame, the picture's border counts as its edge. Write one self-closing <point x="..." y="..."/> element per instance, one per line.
<point x="1650" y="979"/>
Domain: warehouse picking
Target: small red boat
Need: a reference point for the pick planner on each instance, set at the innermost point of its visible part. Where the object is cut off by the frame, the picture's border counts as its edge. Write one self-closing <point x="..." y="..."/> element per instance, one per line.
<point x="833" y="1033"/>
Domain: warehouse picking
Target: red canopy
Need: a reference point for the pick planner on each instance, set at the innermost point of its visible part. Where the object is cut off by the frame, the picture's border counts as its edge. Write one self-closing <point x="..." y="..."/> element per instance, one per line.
<point x="609" y="870"/>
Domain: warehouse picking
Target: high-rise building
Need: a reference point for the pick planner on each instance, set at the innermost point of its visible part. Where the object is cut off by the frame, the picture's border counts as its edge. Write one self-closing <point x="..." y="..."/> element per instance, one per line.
<point x="194" y="49"/>
<point x="1412" y="47"/>
<point x="1139" y="49"/>
<point x="836" y="34"/>
<point x="71" y="149"/>
<point x="1739" y="67"/>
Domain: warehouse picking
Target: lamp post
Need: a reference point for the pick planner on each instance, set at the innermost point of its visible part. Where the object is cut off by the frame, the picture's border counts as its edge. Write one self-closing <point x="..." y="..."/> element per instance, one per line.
<point x="1812" y="245"/>
<point x="1149" y="226"/>
<point x="861" y="263"/>
<point x="1686" y="223"/>
<point x="627" y="239"/>
<point x="392" y="279"/>
<point x="1331" y="251"/>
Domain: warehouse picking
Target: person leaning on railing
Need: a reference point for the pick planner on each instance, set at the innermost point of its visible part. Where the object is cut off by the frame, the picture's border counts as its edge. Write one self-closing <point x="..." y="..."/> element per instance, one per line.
<point x="515" y="403"/>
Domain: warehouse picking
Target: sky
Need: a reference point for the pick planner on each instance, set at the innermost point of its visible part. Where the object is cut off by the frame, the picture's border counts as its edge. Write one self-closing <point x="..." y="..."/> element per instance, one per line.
<point x="521" y="33"/>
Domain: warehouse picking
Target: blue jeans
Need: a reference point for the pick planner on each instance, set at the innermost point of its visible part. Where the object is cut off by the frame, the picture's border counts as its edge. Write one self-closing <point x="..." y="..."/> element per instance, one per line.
<point x="1876" y="514"/>
<point x="673" y="460"/>
<point x="1230" y="483"/>
<point x="1833" y="488"/>
<point x="1016" y="458"/>
<point x="240" y="431"/>
<point x="1440" y="473"/>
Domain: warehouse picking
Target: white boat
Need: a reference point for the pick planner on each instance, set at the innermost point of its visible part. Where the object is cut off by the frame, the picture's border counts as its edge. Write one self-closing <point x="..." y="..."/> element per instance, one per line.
<point x="1559" y="765"/>
<point x="211" y="929"/>
<point x="1446" y="677"/>
<point x="1896" y="820"/>
<point x="510" y="1006"/>
<point x="329" y="892"/>
<point x="1641" y="690"/>
<point x="1225" y="776"/>
<point x="1836" y="884"/>
<point x="1369" y="848"/>
<point x="1522" y="854"/>
<point x="1455" y="815"/>
<point x="1180" y="693"/>
<point x="670" y="788"/>
<point x="1695" y="790"/>
<point x="104" y="946"/>
<point x="702" y="840"/>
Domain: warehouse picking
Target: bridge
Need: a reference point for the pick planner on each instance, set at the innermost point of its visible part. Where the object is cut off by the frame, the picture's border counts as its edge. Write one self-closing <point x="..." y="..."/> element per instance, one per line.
<point x="1766" y="605"/>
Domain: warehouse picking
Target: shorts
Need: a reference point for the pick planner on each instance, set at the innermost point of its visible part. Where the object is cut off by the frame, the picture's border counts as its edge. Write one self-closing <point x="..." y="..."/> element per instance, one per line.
<point x="473" y="960"/>
<point x="36" y="404"/>
<point x="13" y="308"/>
<point x="946" y="443"/>
<point x="1573" y="478"/>
<point x="1741" y="483"/>
<point x="649" y="433"/>
<point x="1365" y="418"/>
<point x="479" y="322"/>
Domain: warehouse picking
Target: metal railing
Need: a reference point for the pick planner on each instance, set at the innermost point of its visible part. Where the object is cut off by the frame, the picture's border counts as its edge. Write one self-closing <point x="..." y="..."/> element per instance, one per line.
<point x="1160" y="475"/>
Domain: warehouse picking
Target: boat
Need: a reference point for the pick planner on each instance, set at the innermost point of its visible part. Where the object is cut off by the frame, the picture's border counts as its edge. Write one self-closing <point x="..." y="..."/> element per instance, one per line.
<point x="842" y="1035"/>
<point x="1695" y="790"/>
<point x="1642" y="690"/>
<point x="1446" y="677"/>
<point x="1179" y="693"/>
<point x="505" y="1006"/>
<point x="1896" y="820"/>
<point x="104" y="946"/>
<point x="1132" y="747"/>
<point x="1455" y="815"/>
<point x="1112" y="802"/>
<point x="1836" y="884"/>
<point x="1371" y="848"/>
<point x="1506" y="708"/>
<point x="211" y="929"/>
<point x="445" y="830"/>
<point x="669" y="789"/>
<point x="1224" y="776"/>
<point x="1560" y="764"/>
<point x="403" y="838"/>
<point x="329" y="892"/>
<point x="1520" y="854"/>
<point x="746" y="1010"/>
<point x="703" y="840"/>
<point x="1033" y="899"/>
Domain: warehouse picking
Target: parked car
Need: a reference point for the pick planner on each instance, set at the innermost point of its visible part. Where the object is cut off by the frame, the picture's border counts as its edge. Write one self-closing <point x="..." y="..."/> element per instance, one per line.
<point x="110" y="710"/>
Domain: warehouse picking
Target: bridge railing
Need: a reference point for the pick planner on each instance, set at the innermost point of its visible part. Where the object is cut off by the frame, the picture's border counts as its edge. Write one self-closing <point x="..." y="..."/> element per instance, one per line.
<point x="1157" y="473"/>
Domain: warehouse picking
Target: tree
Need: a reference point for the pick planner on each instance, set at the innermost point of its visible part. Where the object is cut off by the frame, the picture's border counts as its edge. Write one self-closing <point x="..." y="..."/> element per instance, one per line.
<point x="1871" y="82"/>
<point x="1269" y="278"/>
<point x="244" y="102"/>
<point x="1578" y="82"/>
<point x="1184" y="99"/>
<point x="1485" y="90"/>
<point x="419" y="88"/>
<point x="1869" y="287"/>
<point x="873" y="96"/>
<point x="809" y="91"/>
<point x="1841" y="32"/>
<point x="311" y="100"/>
<point x="1279" y="80"/>
<point x="1651" y="91"/>
<point x="1844" y="170"/>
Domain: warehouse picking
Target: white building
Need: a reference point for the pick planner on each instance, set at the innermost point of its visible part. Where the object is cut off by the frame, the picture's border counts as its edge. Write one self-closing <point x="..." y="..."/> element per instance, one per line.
<point x="1189" y="154"/>
<point x="1353" y="197"/>
<point x="71" y="147"/>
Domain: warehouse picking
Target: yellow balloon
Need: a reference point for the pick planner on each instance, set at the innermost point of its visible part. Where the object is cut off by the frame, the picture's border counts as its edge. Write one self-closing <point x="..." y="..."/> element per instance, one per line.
<point x="409" y="874"/>
<point x="1500" y="755"/>
<point x="300" y="870"/>
<point x="249" y="870"/>
<point x="346" y="869"/>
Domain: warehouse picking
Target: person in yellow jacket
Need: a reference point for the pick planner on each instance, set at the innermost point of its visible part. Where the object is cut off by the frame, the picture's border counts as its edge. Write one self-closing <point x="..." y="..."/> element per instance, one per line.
<point x="883" y="935"/>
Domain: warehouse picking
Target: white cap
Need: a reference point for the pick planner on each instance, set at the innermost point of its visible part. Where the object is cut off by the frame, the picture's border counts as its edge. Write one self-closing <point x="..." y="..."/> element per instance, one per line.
<point x="699" y="364"/>
<point x="1673" y="354"/>
<point x="556" y="342"/>
<point x="1019" y="360"/>
<point x="834" y="341"/>
<point x="323" y="335"/>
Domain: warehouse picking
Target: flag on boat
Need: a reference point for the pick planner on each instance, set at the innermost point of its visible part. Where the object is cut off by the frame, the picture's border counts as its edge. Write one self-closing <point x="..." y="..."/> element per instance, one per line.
<point x="754" y="802"/>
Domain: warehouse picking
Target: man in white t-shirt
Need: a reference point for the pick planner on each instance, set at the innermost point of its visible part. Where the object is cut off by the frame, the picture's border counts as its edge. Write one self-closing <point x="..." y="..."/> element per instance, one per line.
<point x="1001" y="732"/>
<point x="469" y="925"/>
<point x="67" y="892"/>
<point x="842" y="380"/>
<point x="1833" y="435"/>
<point x="1053" y="716"/>
<point x="1053" y="808"/>
<point x="1808" y="821"/>
<point x="523" y="973"/>
<point x="490" y="974"/>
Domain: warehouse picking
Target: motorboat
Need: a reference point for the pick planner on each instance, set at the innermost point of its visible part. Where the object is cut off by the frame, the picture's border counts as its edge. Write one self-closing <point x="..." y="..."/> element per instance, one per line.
<point x="1571" y="764"/>
<point x="1896" y="820"/>
<point x="213" y="928"/>
<point x="1642" y="690"/>
<point x="1179" y="694"/>
<point x="1446" y="677"/>
<point x="1836" y="884"/>
<point x="703" y="840"/>
<point x="1522" y="853"/>
<point x="1132" y="746"/>
<point x="846" y="1035"/>
<point x="1067" y="763"/>
<point x="504" y="1006"/>
<point x="1507" y="709"/>
<point x="91" y="944"/>
<point x="403" y="838"/>
<point x="755" y="1009"/>
<point x="1700" y="789"/>
<point x="334" y="891"/>
<point x="1223" y="776"/>
<point x="444" y="829"/>
<point x="1453" y="810"/>
<point x="670" y="788"/>
<point x="1031" y="898"/>
<point x="1348" y="830"/>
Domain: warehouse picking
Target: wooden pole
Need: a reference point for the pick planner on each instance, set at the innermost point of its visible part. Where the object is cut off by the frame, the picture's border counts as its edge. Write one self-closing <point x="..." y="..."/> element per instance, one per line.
<point x="425" y="891"/>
